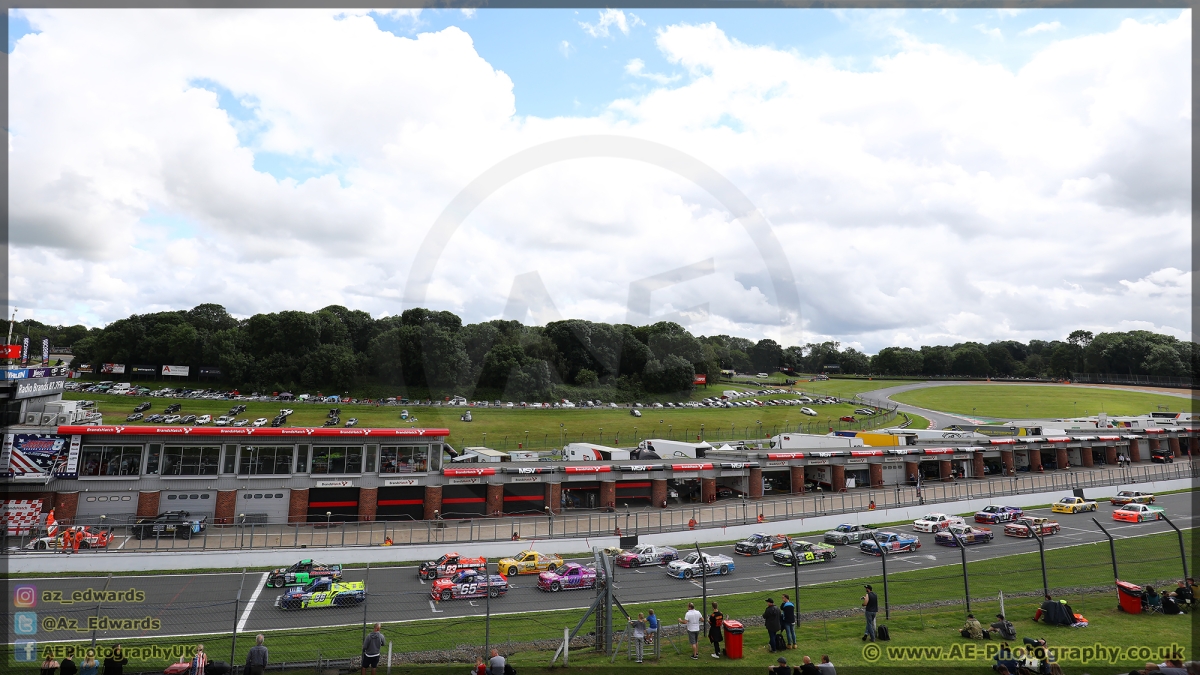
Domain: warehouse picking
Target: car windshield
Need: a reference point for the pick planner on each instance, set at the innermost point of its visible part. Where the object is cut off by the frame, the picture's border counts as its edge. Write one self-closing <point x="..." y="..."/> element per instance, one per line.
<point x="692" y="558"/>
<point x="931" y="516"/>
<point x="1067" y="500"/>
<point x="317" y="585"/>
<point x="843" y="528"/>
<point x="990" y="509"/>
<point x="640" y="549"/>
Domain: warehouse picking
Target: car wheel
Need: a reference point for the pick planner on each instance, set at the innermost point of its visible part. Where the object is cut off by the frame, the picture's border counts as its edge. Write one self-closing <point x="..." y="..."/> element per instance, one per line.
<point x="635" y="563"/>
<point x="278" y="581"/>
<point x="551" y="567"/>
<point x="494" y="591"/>
<point x="84" y="544"/>
<point x="845" y="541"/>
<point x="555" y="587"/>
<point x="40" y="546"/>
<point x="687" y="574"/>
<point x="511" y="571"/>
<point x="446" y="595"/>
<point x="292" y="604"/>
<point x="724" y="569"/>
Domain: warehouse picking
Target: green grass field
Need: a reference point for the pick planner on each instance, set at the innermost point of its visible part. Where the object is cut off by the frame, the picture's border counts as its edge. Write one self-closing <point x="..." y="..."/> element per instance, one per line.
<point x="1038" y="401"/>
<point x="504" y="429"/>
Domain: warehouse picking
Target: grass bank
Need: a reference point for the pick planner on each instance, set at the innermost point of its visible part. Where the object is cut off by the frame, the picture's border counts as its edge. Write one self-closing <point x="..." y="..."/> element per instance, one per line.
<point x="1012" y="401"/>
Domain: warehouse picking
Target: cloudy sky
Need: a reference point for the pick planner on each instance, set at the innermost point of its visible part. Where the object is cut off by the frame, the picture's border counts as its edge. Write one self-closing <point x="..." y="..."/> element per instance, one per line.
<point x="924" y="176"/>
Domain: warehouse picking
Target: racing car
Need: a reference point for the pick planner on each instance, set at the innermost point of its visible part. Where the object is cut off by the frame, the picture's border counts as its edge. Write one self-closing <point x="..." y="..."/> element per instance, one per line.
<point x="760" y="543"/>
<point x="968" y="535"/>
<point x="848" y="534"/>
<point x="177" y="524"/>
<point x="569" y="577"/>
<point x="529" y="562"/>
<point x="92" y="538"/>
<point x="1130" y="497"/>
<point x="933" y="522"/>
<point x="804" y="552"/>
<point x="1137" y="513"/>
<point x="448" y="564"/>
<point x="998" y="514"/>
<point x="691" y="565"/>
<point x="302" y="573"/>
<point x="1026" y="526"/>
<point x="645" y="554"/>
<point x="1072" y="505"/>
<point x="468" y="584"/>
<point x="323" y="592"/>
<point x="891" y="542"/>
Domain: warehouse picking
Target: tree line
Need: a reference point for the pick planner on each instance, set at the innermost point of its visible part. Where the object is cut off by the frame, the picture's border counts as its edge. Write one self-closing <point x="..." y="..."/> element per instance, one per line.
<point x="428" y="352"/>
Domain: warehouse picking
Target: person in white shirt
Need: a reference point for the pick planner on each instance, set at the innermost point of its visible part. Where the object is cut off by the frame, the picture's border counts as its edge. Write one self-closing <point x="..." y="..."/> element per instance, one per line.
<point x="693" y="620"/>
<point x="639" y="634"/>
<point x="825" y="666"/>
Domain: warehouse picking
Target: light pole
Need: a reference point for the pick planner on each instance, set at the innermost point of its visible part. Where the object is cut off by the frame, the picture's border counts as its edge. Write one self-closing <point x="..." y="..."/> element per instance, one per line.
<point x="601" y="435"/>
<point x="527" y="439"/>
<point x="702" y="431"/>
<point x="328" y="517"/>
<point x="670" y="433"/>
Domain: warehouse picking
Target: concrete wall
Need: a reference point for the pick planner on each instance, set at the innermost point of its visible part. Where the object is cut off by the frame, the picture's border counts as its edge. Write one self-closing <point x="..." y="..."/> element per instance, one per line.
<point x="144" y="562"/>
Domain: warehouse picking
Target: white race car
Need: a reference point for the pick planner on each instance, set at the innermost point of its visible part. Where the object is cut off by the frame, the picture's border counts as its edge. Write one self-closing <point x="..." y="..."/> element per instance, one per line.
<point x="936" y="522"/>
<point x="690" y="566"/>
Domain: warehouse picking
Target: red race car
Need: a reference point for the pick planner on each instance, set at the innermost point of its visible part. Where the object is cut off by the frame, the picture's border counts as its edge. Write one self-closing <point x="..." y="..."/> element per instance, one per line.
<point x="448" y="564"/>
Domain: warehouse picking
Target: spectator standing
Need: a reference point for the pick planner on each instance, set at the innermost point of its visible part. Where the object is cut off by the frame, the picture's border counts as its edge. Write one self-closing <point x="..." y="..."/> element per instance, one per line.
<point x="651" y="627"/>
<point x="789" y="622"/>
<point x="692" y="620"/>
<point x="496" y="664"/>
<point x="199" y="662"/>
<point x="825" y="666"/>
<point x="89" y="666"/>
<point x="639" y="634"/>
<point x="68" y="666"/>
<point x="372" y="645"/>
<point x="808" y="667"/>
<point x="716" y="623"/>
<point x="772" y="618"/>
<point x="870" y="604"/>
<point x="49" y="665"/>
<point x="116" y="662"/>
<point x="256" y="658"/>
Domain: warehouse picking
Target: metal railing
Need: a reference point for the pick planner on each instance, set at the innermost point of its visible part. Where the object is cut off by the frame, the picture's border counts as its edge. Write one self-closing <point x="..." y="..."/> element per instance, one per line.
<point x="626" y="520"/>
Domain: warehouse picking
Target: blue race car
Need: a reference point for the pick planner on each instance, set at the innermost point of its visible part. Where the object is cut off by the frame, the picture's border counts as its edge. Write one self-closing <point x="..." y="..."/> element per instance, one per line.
<point x="892" y="543"/>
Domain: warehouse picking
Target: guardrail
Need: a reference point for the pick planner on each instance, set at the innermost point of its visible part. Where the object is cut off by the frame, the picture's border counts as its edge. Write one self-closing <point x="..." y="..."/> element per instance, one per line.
<point x="624" y="520"/>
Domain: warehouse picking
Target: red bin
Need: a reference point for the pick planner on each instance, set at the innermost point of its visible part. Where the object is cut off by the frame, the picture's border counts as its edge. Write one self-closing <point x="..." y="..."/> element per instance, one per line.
<point x="733" y="638"/>
<point x="1129" y="597"/>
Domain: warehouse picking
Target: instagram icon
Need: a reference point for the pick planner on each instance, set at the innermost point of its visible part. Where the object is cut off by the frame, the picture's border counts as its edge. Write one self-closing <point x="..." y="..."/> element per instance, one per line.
<point x="25" y="596"/>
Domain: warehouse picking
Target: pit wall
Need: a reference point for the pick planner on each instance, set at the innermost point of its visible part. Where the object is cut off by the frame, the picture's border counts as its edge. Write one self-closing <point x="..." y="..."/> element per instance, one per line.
<point x="95" y="563"/>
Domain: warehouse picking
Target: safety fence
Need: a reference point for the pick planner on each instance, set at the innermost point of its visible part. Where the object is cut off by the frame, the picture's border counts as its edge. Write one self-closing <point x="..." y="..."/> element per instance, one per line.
<point x="1143" y="380"/>
<point x="575" y="523"/>
<point x="158" y="621"/>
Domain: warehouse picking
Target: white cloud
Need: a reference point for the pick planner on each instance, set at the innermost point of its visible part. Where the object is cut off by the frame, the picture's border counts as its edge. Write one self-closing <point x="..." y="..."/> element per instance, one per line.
<point x="929" y="198"/>
<point x="468" y="12"/>
<point x="565" y="48"/>
<point x="993" y="33"/>
<point x="1043" y="27"/>
<point x="637" y="68"/>
<point x="612" y="18"/>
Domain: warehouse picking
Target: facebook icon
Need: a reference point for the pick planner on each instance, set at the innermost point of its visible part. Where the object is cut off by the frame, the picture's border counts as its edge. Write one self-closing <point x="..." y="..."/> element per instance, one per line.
<point x="25" y="650"/>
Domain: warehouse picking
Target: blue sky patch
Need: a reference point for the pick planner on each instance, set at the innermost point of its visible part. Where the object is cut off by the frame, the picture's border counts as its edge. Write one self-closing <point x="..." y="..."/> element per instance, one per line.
<point x="18" y="27"/>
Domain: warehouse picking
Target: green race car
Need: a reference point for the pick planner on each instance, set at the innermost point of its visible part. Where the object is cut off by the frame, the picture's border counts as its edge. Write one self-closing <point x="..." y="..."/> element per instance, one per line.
<point x="302" y="573"/>
<point x="804" y="552"/>
<point x="323" y="592"/>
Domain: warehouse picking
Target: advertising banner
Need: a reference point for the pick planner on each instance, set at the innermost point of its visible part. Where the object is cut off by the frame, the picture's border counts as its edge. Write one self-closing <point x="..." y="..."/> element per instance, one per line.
<point x="19" y="516"/>
<point x="33" y="455"/>
<point x="112" y="369"/>
<point x="86" y="368"/>
<point x="42" y="386"/>
<point x="72" y="468"/>
<point x="25" y="350"/>
<point x="699" y="378"/>
<point x="45" y="351"/>
<point x="12" y="351"/>
<point x="212" y="371"/>
<point x="16" y="373"/>
<point x="143" y="370"/>
<point x="178" y="371"/>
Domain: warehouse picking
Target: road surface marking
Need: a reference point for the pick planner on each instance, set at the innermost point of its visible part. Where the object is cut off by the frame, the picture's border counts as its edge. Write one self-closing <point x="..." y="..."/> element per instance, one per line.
<point x="435" y="610"/>
<point x="123" y="543"/>
<point x="250" y="605"/>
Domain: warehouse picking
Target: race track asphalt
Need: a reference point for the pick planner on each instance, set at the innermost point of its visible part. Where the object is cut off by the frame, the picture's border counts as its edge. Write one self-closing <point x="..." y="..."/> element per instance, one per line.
<point x="203" y="603"/>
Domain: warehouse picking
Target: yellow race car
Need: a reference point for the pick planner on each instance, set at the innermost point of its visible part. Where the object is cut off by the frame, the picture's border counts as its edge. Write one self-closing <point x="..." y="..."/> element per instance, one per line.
<point x="1072" y="505"/>
<point x="530" y="562"/>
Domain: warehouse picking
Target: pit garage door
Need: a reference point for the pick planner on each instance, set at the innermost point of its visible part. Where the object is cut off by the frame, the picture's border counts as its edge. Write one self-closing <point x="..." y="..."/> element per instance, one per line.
<point x="524" y="498"/>
<point x="117" y="507"/>
<point x="632" y="491"/>
<point x="196" y="502"/>
<point x="263" y="506"/>
<point x="341" y="503"/>
<point x="459" y="501"/>
<point x="400" y="503"/>
<point x="861" y="477"/>
<point x="582" y="494"/>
